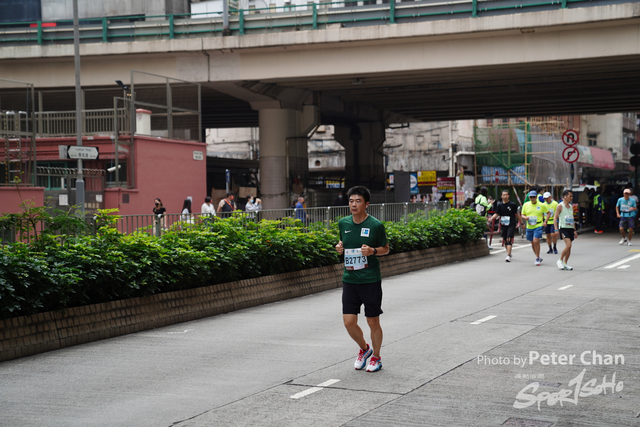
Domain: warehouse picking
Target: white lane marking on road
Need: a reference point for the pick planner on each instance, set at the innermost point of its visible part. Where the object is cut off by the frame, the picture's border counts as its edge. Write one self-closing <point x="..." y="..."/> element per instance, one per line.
<point x="497" y="251"/>
<point x="314" y="389"/>
<point x="183" y="332"/>
<point x="564" y="287"/>
<point x="624" y="261"/>
<point x="622" y="267"/>
<point x="477" y="322"/>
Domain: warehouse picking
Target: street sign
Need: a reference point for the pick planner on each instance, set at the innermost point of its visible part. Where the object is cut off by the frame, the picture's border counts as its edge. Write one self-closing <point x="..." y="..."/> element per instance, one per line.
<point x="570" y="154"/>
<point x="82" y="152"/>
<point x="570" y="138"/>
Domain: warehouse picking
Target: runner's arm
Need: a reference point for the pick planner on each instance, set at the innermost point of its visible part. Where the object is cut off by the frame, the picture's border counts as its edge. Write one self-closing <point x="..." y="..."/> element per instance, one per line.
<point x="556" y="215"/>
<point x="379" y="251"/>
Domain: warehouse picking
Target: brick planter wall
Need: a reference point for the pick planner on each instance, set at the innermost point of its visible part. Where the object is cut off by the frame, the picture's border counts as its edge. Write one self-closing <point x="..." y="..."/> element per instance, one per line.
<point x="28" y="335"/>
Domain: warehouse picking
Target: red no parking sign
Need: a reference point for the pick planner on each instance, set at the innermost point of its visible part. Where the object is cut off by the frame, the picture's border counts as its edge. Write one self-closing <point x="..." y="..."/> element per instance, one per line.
<point x="570" y="154"/>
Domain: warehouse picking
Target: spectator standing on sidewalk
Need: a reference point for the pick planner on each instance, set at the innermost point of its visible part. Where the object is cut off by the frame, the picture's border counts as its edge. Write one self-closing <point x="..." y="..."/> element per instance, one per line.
<point x="615" y="195"/>
<point x="482" y="206"/>
<point x="301" y="214"/>
<point x="362" y="240"/>
<point x="226" y="206"/>
<point x="341" y="200"/>
<point x="159" y="211"/>
<point x="253" y="205"/>
<point x="186" y="211"/>
<point x="207" y="207"/>
<point x="583" y="204"/>
<point x="566" y="226"/>
<point x="598" y="210"/>
<point x="159" y="208"/>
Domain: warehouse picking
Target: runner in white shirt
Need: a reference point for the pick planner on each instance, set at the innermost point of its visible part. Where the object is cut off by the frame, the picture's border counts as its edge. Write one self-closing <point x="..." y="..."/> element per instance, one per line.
<point x="565" y="224"/>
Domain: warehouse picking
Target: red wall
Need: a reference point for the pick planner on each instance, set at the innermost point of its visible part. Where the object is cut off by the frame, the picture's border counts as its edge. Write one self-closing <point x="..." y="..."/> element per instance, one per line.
<point x="10" y="198"/>
<point x="165" y="169"/>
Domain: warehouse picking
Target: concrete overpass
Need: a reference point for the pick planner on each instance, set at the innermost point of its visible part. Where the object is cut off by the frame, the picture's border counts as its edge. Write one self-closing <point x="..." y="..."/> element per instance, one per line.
<point x="567" y="61"/>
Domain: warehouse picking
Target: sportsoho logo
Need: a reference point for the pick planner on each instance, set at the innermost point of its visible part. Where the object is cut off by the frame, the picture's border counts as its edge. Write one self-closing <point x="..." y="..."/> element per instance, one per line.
<point x="578" y="387"/>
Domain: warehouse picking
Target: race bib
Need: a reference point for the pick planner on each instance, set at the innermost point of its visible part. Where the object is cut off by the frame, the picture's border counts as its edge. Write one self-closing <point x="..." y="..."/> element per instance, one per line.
<point x="533" y="220"/>
<point x="624" y="208"/>
<point x="569" y="220"/>
<point x="354" y="260"/>
<point x="505" y="220"/>
<point x="551" y="210"/>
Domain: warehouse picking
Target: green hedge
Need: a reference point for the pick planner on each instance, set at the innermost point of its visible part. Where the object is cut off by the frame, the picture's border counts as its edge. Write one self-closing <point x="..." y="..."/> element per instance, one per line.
<point x="59" y="273"/>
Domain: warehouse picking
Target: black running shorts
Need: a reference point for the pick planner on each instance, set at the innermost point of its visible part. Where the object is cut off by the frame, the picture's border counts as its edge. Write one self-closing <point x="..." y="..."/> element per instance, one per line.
<point x="567" y="233"/>
<point x="508" y="232"/>
<point x="369" y="294"/>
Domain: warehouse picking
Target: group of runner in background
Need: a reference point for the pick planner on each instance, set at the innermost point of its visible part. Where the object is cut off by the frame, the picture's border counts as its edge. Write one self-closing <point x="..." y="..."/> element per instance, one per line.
<point x="541" y="214"/>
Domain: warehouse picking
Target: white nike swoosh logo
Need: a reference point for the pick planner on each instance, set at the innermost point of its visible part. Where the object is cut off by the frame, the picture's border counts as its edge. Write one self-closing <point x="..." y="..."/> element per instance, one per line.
<point x="348" y="231"/>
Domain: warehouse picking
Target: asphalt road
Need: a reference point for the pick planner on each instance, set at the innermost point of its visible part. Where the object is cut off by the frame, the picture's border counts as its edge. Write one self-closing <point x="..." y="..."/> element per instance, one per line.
<point x="475" y="343"/>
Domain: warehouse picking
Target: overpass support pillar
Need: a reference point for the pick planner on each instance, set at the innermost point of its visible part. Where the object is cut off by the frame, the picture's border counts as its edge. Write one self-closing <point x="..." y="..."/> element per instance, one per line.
<point x="284" y="162"/>
<point x="364" y="160"/>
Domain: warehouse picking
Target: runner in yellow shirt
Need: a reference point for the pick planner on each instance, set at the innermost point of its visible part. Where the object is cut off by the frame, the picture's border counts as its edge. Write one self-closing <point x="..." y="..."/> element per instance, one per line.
<point x="549" y="229"/>
<point x="536" y="214"/>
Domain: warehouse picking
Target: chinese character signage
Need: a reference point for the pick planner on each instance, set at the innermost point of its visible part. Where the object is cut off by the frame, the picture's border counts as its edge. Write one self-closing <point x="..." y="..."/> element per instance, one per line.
<point x="427" y="178"/>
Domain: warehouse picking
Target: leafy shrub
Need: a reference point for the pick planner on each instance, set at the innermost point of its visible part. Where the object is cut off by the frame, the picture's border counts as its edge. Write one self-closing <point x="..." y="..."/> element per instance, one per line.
<point x="57" y="273"/>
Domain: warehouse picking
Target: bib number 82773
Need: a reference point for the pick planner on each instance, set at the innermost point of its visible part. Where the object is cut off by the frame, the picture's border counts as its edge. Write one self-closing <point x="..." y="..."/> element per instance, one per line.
<point x="354" y="260"/>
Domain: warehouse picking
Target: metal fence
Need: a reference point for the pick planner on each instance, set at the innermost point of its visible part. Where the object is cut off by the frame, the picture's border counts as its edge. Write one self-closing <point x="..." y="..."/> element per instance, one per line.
<point x="94" y="122"/>
<point x="309" y="219"/>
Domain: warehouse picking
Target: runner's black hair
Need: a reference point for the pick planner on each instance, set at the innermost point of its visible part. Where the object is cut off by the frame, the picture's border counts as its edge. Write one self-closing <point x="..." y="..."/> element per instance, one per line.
<point x="359" y="190"/>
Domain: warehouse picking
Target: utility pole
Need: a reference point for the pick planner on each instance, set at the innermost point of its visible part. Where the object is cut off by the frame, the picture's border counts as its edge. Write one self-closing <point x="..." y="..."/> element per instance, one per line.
<point x="76" y="48"/>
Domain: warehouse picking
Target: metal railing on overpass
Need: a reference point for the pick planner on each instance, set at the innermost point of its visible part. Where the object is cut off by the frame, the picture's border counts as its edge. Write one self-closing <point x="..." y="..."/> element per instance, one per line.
<point x="63" y="123"/>
<point x="311" y="16"/>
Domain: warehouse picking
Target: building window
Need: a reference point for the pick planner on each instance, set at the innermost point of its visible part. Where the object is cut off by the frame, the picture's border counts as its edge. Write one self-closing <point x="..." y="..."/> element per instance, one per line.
<point x="592" y="140"/>
<point x="628" y="140"/>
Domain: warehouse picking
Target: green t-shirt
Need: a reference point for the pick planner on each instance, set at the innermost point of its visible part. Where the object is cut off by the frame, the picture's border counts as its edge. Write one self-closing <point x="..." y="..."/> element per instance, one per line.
<point x="537" y="212"/>
<point x="369" y="232"/>
<point x="552" y="208"/>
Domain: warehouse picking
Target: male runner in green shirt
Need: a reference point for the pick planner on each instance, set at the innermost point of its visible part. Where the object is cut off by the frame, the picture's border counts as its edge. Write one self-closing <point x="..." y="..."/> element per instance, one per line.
<point x="362" y="241"/>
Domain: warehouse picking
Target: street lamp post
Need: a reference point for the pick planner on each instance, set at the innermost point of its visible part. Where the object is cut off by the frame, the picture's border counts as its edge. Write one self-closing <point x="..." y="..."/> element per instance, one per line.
<point x="76" y="49"/>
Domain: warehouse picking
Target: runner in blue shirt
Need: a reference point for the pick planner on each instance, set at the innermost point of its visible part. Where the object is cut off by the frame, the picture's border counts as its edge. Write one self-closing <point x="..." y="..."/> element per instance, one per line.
<point x="626" y="210"/>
